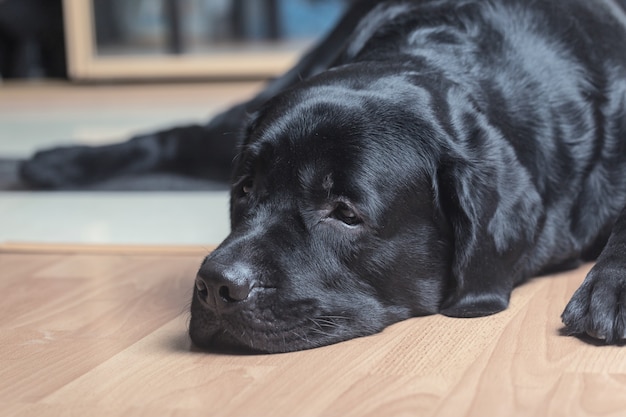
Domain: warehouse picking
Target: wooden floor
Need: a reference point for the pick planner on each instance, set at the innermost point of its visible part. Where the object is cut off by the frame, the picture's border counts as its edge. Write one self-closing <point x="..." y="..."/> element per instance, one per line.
<point x="102" y="332"/>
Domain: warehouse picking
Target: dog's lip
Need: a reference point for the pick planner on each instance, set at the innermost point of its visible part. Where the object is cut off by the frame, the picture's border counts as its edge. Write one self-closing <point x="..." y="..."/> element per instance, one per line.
<point x="225" y="334"/>
<point x="237" y="339"/>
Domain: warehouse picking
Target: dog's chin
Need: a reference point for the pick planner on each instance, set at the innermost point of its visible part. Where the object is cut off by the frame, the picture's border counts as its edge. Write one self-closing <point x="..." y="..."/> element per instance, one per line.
<point x="246" y="341"/>
<point x="210" y="333"/>
<point x="222" y="342"/>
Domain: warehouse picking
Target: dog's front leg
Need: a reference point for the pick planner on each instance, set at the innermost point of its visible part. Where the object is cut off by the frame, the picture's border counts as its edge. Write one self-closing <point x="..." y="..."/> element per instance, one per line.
<point x="598" y="307"/>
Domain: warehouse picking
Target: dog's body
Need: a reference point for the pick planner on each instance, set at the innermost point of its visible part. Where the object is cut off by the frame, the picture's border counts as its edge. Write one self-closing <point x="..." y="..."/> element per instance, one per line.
<point x="425" y="158"/>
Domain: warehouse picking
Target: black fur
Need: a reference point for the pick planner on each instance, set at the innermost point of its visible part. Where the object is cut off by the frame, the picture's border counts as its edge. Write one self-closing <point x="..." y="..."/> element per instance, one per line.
<point x="425" y="158"/>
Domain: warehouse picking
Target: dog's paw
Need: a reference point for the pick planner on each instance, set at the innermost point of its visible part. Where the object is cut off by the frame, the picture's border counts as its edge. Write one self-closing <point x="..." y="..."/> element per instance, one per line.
<point x="58" y="167"/>
<point x="598" y="307"/>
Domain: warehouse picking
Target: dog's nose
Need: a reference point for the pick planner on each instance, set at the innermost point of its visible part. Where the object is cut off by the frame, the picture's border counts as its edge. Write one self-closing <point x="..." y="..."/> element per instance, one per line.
<point x="219" y="286"/>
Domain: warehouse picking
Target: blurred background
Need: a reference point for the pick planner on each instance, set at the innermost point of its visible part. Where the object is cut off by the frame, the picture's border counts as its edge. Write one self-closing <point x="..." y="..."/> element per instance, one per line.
<point x="107" y="39"/>
<point x="97" y="71"/>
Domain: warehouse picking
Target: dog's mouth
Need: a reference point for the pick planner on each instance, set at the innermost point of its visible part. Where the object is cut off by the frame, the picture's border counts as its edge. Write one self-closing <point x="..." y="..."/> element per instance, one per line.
<point x="267" y="329"/>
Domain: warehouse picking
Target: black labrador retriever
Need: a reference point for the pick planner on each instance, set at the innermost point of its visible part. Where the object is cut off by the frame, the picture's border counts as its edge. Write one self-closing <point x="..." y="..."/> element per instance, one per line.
<point x="426" y="157"/>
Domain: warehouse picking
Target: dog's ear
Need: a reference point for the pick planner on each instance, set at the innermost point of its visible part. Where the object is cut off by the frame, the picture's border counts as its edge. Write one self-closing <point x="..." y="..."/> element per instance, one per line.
<point x="486" y="207"/>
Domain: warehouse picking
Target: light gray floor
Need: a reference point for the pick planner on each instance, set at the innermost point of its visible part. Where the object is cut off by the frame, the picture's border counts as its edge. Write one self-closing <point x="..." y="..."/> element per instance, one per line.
<point x="32" y="117"/>
<point x="114" y="218"/>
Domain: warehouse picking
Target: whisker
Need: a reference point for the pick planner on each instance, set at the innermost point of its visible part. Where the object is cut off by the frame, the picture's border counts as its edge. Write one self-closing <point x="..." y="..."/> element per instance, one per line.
<point x="325" y="325"/>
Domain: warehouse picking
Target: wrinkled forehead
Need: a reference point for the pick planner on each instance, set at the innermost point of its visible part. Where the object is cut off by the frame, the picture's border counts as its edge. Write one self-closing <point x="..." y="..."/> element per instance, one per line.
<point x="309" y="138"/>
<point x="306" y="119"/>
<point x="378" y="110"/>
<point x="332" y="143"/>
<point x="303" y="115"/>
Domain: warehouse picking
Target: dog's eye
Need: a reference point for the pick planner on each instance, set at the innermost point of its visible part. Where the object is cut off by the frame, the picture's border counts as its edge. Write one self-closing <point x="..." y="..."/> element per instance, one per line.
<point x="346" y="214"/>
<point x="246" y="187"/>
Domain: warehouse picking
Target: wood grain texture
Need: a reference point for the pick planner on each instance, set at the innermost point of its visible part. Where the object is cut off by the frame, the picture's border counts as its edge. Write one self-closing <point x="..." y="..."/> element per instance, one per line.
<point x="104" y="334"/>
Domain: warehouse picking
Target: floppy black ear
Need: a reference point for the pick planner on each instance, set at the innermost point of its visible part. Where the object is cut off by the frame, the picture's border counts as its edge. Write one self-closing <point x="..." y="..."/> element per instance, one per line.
<point x="493" y="212"/>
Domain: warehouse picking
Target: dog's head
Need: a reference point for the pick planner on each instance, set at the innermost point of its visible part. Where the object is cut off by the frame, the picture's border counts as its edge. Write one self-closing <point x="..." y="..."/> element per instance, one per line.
<point x="337" y="226"/>
<point x="334" y="230"/>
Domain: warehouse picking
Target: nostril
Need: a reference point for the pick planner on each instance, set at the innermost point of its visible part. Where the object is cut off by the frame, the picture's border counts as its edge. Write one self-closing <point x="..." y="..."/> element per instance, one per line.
<point x="224" y="293"/>
<point x="233" y="293"/>
<point x="202" y="289"/>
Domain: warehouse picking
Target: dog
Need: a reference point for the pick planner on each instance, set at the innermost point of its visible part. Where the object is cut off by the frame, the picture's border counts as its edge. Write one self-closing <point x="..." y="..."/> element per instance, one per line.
<point x="425" y="157"/>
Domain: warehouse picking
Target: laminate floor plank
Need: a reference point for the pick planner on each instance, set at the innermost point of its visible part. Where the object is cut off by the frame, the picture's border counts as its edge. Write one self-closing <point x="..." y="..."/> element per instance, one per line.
<point x="104" y="334"/>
